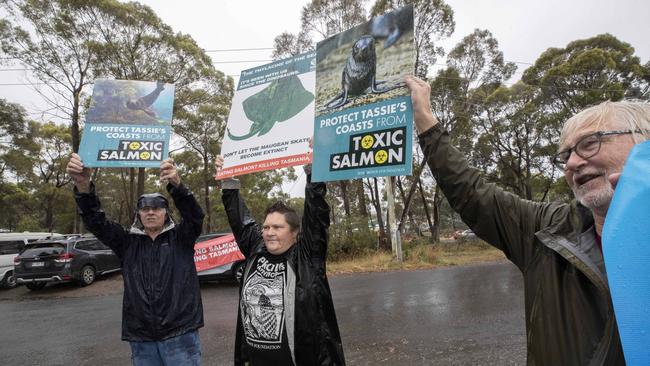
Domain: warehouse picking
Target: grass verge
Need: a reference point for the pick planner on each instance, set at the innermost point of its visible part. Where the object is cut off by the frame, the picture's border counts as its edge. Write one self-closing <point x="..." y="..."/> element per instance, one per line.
<point x="418" y="256"/>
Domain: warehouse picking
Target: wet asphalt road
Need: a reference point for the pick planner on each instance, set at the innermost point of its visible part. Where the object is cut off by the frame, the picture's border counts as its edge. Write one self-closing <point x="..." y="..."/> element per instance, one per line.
<point x="470" y="315"/>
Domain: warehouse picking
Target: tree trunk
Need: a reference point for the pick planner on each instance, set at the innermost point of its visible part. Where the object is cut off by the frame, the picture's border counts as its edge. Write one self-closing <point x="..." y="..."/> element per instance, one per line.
<point x="206" y="188"/>
<point x="49" y="212"/>
<point x="132" y="197"/>
<point x="343" y="184"/>
<point x="141" y="178"/>
<point x="437" y="200"/>
<point x="432" y="228"/>
<point x="383" y="240"/>
<point x="414" y="185"/>
<point x="412" y="220"/>
<point x="74" y="123"/>
<point x="361" y="194"/>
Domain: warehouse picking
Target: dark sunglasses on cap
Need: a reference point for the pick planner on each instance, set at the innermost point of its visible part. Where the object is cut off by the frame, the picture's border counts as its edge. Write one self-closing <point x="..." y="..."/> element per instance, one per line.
<point x="153" y="200"/>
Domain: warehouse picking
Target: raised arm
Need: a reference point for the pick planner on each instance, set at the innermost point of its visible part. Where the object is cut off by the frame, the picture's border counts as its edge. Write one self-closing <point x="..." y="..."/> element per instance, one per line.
<point x="502" y="219"/>
<point x="108" y="232"/>
<point x="315" y="219"/>
<point x="247" y="232"/>
<point x="191" y="213"/>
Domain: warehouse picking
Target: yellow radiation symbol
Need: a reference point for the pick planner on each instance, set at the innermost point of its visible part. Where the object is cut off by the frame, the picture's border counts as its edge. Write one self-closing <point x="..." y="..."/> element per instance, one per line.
<point x="145" y="155"/>
<point x="367" y="141"/>
<point x="381" y="156"/>
<point x="134" y="145"/>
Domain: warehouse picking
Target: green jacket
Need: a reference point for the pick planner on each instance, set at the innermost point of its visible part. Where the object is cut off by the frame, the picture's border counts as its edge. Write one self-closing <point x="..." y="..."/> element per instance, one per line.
<point x="569" y="314"/>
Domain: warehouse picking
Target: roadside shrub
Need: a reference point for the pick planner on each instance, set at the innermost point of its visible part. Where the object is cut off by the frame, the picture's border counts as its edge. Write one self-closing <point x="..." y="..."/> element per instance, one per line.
<point x="350" y="237"/>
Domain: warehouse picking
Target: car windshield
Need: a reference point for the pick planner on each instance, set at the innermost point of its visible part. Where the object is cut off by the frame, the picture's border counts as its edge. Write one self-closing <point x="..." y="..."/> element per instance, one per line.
<point x="43" y="249"/>
<point x="205" y="237"/>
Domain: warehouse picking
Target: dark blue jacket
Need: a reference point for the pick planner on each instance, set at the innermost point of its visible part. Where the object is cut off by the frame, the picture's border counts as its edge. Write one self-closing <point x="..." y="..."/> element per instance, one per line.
<point x="162" y="298"/>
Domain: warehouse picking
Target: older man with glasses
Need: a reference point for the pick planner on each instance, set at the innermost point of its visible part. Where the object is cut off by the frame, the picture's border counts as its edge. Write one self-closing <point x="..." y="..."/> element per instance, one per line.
<point x="569" y="313"/>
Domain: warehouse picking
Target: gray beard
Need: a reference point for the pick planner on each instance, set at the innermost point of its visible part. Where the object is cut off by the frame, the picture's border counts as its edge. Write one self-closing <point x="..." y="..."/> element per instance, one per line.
<point x="598" y="201"/>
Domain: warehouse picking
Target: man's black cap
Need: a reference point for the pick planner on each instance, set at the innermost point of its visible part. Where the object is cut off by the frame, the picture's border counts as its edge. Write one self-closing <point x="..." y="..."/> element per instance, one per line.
<point x="152" y="200"/>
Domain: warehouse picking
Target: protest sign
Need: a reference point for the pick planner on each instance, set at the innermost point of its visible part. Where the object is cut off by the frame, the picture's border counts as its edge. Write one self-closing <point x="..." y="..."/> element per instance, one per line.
<point x="128" y="124"/>
<point x="271" y="118"/>
<point x="216" y="252"/>
<point x="364" y="119"/>
<point x="626" y="252"/>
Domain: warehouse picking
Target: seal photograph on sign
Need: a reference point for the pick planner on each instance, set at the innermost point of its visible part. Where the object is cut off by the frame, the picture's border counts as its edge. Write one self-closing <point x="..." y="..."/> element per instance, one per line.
<point x="365" y="64"/>
<point x="131" y="102"/>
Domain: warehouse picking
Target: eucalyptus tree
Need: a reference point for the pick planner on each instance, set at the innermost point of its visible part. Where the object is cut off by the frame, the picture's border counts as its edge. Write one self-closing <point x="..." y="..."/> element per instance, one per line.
<point x="586" y="72"/>
<point x="51" y="39"/>
<point x="201" y="125"/>
<point x="135" y="44"/>
<point x="434" y="21"/>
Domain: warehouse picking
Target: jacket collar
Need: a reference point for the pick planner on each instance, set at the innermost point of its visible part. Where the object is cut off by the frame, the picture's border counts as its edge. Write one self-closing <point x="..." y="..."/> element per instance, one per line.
<point x="565" y="236"/>
<point x="138" y="229"/>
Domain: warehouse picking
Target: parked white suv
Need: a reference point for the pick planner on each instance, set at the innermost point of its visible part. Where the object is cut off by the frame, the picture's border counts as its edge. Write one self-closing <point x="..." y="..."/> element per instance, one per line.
<point x="10" y="245"/>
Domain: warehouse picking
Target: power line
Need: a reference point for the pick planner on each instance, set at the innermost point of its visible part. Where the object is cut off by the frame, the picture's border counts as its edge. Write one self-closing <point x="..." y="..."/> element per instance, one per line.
<point x="208" y="51"/>
<point x="240" y="61"/>
<point x="441" y="77"/>
<point x="241" y="49"/>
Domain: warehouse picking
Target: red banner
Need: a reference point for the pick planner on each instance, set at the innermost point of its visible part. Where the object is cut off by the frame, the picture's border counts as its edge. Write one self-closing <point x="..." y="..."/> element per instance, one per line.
<point x="216" y="252"/>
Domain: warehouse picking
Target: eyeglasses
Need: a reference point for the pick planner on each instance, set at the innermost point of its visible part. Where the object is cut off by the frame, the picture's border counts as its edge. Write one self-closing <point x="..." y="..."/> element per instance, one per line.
<point x="587" y="147"/>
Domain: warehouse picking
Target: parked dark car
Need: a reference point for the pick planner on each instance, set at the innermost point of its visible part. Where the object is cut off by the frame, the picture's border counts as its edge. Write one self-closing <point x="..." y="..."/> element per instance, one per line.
<point x="73" y="258"/>
<point x="10" y="245"/>
<point x="232" y="270"/>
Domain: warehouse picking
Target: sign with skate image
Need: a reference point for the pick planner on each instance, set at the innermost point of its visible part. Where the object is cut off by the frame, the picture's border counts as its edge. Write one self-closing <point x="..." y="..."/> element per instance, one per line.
<point x="128" y="124"/>
<point x="364" y="120"/>
<point x="271" y="118"/>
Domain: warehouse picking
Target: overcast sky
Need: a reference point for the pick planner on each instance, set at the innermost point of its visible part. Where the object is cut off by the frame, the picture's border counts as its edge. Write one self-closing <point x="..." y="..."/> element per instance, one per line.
<point x="524" y="29"/>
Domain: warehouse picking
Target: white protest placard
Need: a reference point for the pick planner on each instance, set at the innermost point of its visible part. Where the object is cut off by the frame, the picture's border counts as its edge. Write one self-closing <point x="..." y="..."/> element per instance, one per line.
<point x="271" y="118"/>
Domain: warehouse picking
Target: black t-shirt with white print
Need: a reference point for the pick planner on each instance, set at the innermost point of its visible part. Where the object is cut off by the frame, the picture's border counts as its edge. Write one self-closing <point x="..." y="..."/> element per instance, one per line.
<point x="262" y="311"/>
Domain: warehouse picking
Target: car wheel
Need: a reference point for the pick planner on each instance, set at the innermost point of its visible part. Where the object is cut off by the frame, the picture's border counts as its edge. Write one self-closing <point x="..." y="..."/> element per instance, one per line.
<point x="35" y="286"/>
<point x="238" y="271"/>
<point x="9" y="281"/>
<point x="87" y="275"/>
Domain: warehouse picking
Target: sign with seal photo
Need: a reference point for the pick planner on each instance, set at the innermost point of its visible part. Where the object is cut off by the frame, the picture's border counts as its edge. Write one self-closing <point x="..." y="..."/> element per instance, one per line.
<point x="128" y="124"/>
<point x="364" y="119"/>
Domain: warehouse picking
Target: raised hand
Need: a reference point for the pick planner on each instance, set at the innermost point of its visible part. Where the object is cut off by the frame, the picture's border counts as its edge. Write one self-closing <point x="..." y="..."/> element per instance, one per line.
<point x="420" y="94"/>
<point x="168" y="172"/>
<point x="80" y="175"/>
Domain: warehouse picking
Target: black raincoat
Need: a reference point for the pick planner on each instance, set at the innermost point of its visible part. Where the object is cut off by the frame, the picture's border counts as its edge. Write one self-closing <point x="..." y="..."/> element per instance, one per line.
<point x="569" y="314"/>
<point x="162" y="298"/>
<point x="310" y="320"/>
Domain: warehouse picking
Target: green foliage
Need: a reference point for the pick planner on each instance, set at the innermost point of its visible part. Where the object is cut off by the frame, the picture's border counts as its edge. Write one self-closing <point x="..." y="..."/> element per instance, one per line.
<point x="585" y="72"/>
<point x="319" y="19"/>
<point x="350" y="236"/>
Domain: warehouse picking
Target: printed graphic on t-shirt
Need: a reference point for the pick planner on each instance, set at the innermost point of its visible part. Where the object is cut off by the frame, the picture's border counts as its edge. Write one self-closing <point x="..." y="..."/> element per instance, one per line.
<point x="262" y="304"/>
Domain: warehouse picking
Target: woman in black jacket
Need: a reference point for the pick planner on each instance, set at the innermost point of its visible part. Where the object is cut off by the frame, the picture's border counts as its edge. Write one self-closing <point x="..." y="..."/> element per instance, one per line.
<point x="286" y="315"/>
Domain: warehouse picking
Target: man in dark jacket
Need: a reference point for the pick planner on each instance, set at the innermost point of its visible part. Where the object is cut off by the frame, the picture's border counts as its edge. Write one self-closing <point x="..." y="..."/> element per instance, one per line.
<point x="569" y="314"/>
<point x="162" y="309"/>
<point x="286" y="314"/>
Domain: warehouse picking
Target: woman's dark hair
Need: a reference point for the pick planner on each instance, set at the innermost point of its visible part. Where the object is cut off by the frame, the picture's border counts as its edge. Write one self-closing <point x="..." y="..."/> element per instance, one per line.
<point x="289" y="213"/>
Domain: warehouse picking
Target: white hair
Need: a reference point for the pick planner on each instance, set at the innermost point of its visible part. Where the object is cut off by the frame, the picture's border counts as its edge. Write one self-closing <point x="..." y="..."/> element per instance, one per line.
<point x="626" y="115"/>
